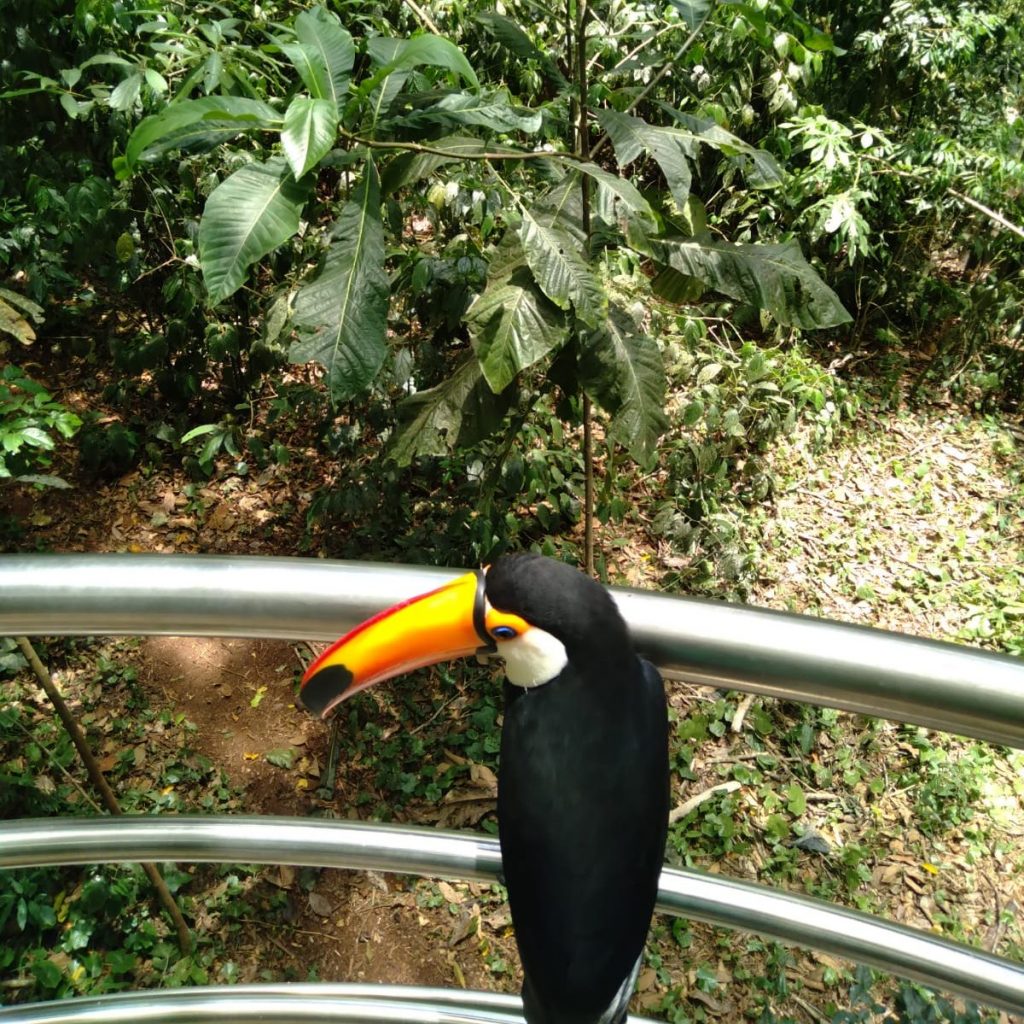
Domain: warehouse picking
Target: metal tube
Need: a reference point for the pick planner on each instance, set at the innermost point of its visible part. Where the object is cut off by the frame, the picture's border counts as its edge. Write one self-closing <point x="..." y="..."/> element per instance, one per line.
<point x="800" y="920"/>
<point x="269" y="1004"/>
<point x="938" y="685"/>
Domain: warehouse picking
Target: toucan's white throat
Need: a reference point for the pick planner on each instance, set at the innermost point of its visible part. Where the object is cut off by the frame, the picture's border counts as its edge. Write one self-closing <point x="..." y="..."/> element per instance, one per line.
<point x="533" y="658"/>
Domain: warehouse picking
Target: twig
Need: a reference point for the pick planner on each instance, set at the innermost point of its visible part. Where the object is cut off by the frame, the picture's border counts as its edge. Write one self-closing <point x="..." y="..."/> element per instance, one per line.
<point x="695" y="801"/>
<point x="158" y="267"/>
<point x="423" y="16"/>
<point x="980" y="207"/>
<point x="53" y="760"/>
<point x="812" y="1010"/>
<point x="642" y="45"/>
<point x="441" y="708"/>
<point x="988" y="211"/>
<point x="304" y="663"/>
<point x="98" y="780"/>
<point x="741" y="712"/>
<point x="995" y="936"/>
<point x="417" y="147"/>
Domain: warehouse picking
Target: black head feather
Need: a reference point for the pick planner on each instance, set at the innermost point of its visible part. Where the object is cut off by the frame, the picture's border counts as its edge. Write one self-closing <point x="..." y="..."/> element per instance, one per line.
<point x="562" y="601"/>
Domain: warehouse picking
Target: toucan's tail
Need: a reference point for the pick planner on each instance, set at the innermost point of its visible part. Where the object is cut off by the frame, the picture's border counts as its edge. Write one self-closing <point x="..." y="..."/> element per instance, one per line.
<point x="536" y="1012"/>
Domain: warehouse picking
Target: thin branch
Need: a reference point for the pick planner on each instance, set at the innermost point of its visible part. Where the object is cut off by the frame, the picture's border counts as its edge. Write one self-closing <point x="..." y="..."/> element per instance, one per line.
<point x="52" y="758"/>
<point x="680" y="812"/>
<point x="588" y="484"/>
<point x="813" y="1011"/>
<point x="741" y="712"/>
<point x="642" y="45"/>
<point x="97" y="778"/>
<point x="671" y="65"/>
<point x="988" y="211"/>
<point x="993" y="215"/>
<point x="416" y="147"/>
<point x="423" y="16"/>
<point x="582" y="146"/>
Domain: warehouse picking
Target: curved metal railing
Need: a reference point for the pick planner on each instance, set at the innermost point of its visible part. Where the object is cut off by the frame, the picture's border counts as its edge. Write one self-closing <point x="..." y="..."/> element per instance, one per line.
<point x="297" y="1003"/>
<point x="795" y="657"/>
<point x="792" y="918"/>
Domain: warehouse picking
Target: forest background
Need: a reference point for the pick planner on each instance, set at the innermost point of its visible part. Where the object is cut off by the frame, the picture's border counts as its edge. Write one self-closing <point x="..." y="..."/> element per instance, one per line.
<point x="719" y="298"/>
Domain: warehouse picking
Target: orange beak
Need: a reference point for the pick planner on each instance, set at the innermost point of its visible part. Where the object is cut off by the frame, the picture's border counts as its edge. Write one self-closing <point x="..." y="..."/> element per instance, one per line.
<point x="441" y="625"/>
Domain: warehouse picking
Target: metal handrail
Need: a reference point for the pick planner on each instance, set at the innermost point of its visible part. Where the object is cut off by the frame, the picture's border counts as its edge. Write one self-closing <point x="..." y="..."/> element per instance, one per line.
<point x="794" y="657"/>
<point x="789" y="917"/>
<point x="298" y="1003"/>
<point x="938" y="685"/>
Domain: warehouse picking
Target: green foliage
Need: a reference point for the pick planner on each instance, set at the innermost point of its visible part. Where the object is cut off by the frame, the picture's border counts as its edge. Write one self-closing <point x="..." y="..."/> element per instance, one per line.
<point x="30" y="422"/>
<point x="344" y="309"/>
<point x="948" y="791"/>
<point x="108" y="449"/>
<point x="247" y="215"/>
<point x="542" y="281"/>
<point x="739" y="403"/>
<point x="911" y="1004"/>
<point x="87" y="931"/>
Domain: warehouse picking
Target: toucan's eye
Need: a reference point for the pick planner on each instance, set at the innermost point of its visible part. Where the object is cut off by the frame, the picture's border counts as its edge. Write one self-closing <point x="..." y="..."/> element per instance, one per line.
<point x="503" y="633"/>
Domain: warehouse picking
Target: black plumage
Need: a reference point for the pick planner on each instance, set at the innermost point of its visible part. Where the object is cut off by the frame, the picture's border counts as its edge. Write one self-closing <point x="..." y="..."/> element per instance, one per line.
<point x="582" y="798"/>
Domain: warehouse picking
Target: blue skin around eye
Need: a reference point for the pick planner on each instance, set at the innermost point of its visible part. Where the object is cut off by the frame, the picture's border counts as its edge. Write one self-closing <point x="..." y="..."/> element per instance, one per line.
<point x="504" y="632"/>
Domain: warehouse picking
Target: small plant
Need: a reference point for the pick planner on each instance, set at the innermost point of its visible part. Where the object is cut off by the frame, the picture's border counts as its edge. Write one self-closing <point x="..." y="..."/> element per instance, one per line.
<point x="29" y="420"/>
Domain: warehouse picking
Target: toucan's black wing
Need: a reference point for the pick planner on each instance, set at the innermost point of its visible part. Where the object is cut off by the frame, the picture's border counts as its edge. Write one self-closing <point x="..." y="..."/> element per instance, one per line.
<point x="582" y="810"/>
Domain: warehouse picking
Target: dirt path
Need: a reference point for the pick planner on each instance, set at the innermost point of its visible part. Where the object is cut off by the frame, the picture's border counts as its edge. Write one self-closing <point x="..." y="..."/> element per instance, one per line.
<point x="338" y="925"/>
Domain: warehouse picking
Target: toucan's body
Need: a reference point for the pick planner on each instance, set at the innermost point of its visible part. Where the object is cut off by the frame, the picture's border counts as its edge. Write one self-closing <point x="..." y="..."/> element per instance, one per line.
<point x="583" y="778"/>
<point x="582" y="814"/>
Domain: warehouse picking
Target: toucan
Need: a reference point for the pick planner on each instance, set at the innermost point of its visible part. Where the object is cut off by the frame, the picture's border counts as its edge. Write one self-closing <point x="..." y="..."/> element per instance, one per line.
<point x="583" y="771"/>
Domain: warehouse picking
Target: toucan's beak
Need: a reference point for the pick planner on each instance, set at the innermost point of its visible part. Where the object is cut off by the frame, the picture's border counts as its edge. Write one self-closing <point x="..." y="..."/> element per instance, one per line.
<point x="444" y="624"/>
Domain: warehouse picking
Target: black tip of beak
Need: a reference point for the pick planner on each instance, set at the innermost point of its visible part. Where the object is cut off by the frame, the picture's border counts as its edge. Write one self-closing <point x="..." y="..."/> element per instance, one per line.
<point x="325" y="687"/>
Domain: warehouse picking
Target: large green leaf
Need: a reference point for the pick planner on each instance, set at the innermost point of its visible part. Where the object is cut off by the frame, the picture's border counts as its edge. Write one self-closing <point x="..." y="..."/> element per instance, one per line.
<point x="561" y="271"/>
<point x="615" y="211"/>
<point x="613" y="190"/>
<point x="310" y="128"/>
<point x="246" y="216"/>
<point x="433" y="51"/>
<point x="12" y="322"/>
<point x="246" y="113"/>
<point x="622" y="370"/>
<point x="673" y="150"/>
<point x="513" y="325"/>
<point x="16" y="310"/>
<point x="489" y="110"/>
<point x="672" y="286"/>
<point x="126" y="93"/>
<point x="342" y="314"/>
<point x="326" y="57"/>
<point x="562" y="207"/>
<point x="459" y="411"/>
<point x="199" y="137"/>
<point x="772" y="277"/>
<point x="758" y="165"/>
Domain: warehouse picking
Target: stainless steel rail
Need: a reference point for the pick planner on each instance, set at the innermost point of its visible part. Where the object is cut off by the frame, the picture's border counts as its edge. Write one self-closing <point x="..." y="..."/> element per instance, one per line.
<point x="938" y="685"/>
<point x="792" y="918"/>
<point x="283" y="1004"/>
